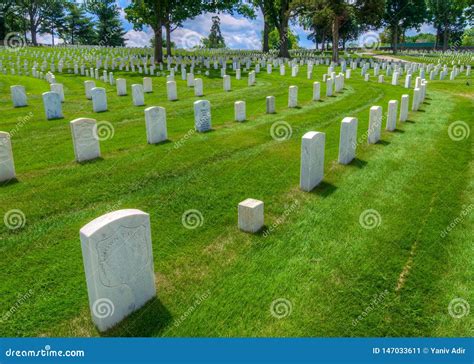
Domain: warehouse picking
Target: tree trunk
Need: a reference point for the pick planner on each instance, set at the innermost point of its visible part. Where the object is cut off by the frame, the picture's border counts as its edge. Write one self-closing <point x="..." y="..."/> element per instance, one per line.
<point x="3" y="30"/>
<point x="33" y="35"/>
<point x="168" y="39"/>
<point x="266" y="32"/>
<point x="323" y="39"/>
<point x="335" y="39"/>
<point x="394" y="39"/>
<point x="283" y="31"/>
<point x="52" y="38"/>
<point x="158" y="44"/>
<point x="445" y="39"/>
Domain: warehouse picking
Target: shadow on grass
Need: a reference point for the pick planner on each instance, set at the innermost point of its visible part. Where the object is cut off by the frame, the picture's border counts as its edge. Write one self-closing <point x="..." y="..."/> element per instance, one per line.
<point x="358" y="163"/>
<point x="92" y="161"/>
<point x="324" y="189"/>
<point x="409" y="121"/>
<point x="383" y="142"/>
<point x="150" y="320"/>
<point x="10" y="182"/>
<point x="399" y="131"/>
<point x="167" y="141"/>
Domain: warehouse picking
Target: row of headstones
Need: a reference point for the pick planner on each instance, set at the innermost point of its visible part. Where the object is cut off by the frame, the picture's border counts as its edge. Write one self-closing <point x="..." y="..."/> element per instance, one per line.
<point x="84" y="131"/>
<point x="125" y="235"/>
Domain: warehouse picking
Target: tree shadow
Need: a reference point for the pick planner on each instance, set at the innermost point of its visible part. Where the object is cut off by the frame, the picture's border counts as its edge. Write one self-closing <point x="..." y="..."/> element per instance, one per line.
<point x="149" y="320"/>
<point x="324" y="189"/>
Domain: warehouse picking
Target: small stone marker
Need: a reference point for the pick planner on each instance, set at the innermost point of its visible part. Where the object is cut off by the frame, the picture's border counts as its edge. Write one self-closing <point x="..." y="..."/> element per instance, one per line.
<point x="404" y="108"/>
<point x="293" y="96"/>
<point x="118" y="263"/>
<point x="52" y="105"/>
<point x="138" y="95"/>
<point x="198" y="91"/>
<point x="7" y="166"/>
<point x="251" y="215"/>
<point x="316" y="91"/>
<point x="380" y="78"/>
<point x="347" y="140"/>
<point x="58" y="88"/>
<point x="328" y="87"/>
<point x="375" y="124"/>
<point x="18" y="96"/>
<point x="226" y="82"/>
<point x="85" y="139"/>
<point x="99" y="99"/>
<point x="147" y="85"/>
<point x="89" y="85"/>
<point x="239" y="111"/>
<point x="392" y="115"/>
<point x="312" y="160"/>
<point x="171" y="90"/>
<point x="270" y="104"/>
<point x="202" y="116"/>
<point x="155" y="119"/>
<point x="121" y="85"/>
<point x="190" y="80"/>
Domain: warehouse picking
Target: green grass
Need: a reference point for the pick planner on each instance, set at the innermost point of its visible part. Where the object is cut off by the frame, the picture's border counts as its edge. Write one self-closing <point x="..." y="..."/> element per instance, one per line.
<point x="319" y="258"/>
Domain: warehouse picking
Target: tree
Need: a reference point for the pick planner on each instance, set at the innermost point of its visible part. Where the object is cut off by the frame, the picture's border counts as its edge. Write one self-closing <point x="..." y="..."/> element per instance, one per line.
<point x="447" y="16"/>
<point x="403" y="14"/>
<point x="268" y="11"/>
<point x="5" y="7"/>
<point x="468" y="38"/>
<point x="34" y="11"/>
<point x="274" y="40"/>
<point x="78" y="28"/>
<point x="215" y="39"/>
<point x="109" y="29"/>
<point x="53" y="18"/>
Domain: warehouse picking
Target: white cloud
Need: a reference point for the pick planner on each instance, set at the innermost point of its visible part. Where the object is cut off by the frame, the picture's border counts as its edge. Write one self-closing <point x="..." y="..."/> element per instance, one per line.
<point x="135" y="38"/>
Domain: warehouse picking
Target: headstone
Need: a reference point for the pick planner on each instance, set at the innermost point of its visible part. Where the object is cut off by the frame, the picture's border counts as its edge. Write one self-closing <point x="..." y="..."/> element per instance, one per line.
<point x="312" y="160"/>
<point x="202" y="116"/>
<point x="347" y="140"/>
<point x="237" y="74"/>
<point x="118" y="263"/>
<point x="85" y="139"/>
<point x="270" y="104"/>
<point x="404" y="108"/>
<point x="52" y="105"/>
<point x="251" y="215"/>
<point x="380" y="78"/>
<point x="99" y="99"/>
<point x="137" y="94"/>
<point x="329" y="87"/>
<point x="198" y="91"/>
<point x="416" y="99"/>
<point x="147" y="85"/>
<point x="18" y="96"/>
<point x="395" y="79"/>
<point x="190" y="80"/>
<point x="293" y="96"/>
<point x="121" y="85"/>
<point x="89" y="85"/>
<point x="155" y="119"/>
<point x="392" y="115"/>
<point x="226" y="81"/>
<point x="58" y="88"/>
<point x="239" y="111"/>
<point x="171" y="90"/>
<point x="375" y="124"/>
<point x="408" y="81"/>
<point x="7" y="166"/>
<point x="316" y="91"/>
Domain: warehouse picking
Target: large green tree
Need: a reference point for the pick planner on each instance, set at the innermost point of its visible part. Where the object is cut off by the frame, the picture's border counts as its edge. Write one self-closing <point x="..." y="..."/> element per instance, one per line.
<point x="215" y="39"/>
<point x="109" y="28"/>
<point x="34" y="11"/>
<point x="403" y="14"/>
<point x="78" y="28"/>
<point x="53" y="18"/>
<point x="5" y="7"/>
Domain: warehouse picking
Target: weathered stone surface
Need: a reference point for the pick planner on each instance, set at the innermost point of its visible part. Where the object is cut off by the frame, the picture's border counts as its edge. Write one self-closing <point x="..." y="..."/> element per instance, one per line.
<point x="85" y="139"/>
<point x="251" y="215"/>
<point x="202" y="116"/>
<point x="155" y="119"/>
<point x="312" y="160"/>
<point x="293" y="96"/>
<point x="270" y="104"/>
<point x="18" y="96"/>
<point x="52" y="105"/>
<point x="99" y="99"/>
<point x="138" y="95"/>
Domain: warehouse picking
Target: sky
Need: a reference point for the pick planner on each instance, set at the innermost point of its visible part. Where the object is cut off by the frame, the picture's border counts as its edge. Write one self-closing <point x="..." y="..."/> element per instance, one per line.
<point x="238" y="32"/>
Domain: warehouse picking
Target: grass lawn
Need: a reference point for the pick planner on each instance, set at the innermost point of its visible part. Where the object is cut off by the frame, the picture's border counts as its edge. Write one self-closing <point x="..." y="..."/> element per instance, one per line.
<point x="318" y="262"/>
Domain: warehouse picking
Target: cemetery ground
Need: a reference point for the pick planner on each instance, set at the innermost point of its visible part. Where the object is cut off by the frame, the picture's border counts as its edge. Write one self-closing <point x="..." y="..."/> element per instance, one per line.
<point x="369" y="252"/>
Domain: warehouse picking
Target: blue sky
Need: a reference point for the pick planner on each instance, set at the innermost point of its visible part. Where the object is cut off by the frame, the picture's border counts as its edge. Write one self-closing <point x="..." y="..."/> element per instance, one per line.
<point x="238" y="32"/>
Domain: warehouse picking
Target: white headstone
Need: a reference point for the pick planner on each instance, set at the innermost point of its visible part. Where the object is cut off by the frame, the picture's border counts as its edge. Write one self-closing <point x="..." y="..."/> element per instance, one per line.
<point x="404" y="107"/>
<point x="89" y="85"/>
<point x="375" y="124"/>
<point x="202" y="116"/>
<point x="171" y="90"/>
<point x="58" y="88"/>
<point x="198" y="89"/>
<point x="316" y="91"/>
<point x="312" y="160"/>
<point x="18" y="96"/>
<point x="85" y="139"/>
<point x="121" y="85"/>
<point x="155" y="119"/>
<point x="392" y="115"/>
<point x="347" y="140"/>
<point x="137" y="94"/>
<point x="7" y="166"/>
<point x="293" y="96"/>
<point x="226" y="83"/>
<point x="328" y="87"/>
<point x="270" y="104"/>
<point x="251" y="215"/>
<point x="239" y="111"/>
<point x="99" y="99"/>
<point x="52" y="105"/>
<point x="147" y="85"/>
<point x="118" y="263"/>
